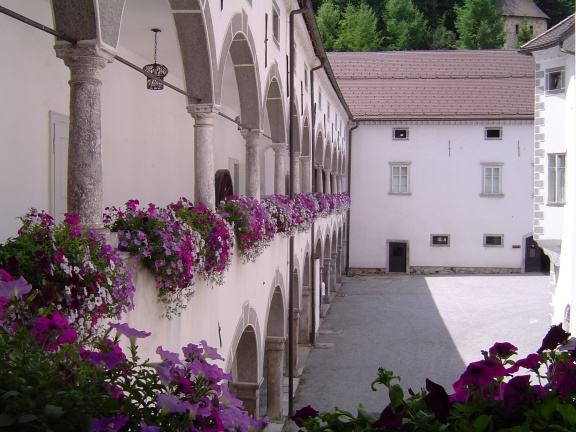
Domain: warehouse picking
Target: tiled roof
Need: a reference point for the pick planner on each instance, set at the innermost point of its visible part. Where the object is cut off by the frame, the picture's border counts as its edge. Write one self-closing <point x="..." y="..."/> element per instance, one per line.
<point x="521" y="8"/>
<point x="553" y="36"/>
<point x="414" y="85"/>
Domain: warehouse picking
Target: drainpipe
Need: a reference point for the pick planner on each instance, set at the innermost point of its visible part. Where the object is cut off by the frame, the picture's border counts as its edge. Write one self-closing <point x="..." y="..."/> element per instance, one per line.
<point x="349" y="185"/>
<point x="313" y="184"/>
<point x="291" y="257"/>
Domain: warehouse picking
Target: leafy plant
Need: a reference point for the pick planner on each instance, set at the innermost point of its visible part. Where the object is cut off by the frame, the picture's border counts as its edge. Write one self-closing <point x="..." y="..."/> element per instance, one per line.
<point x="166" y="245"/>
<point x="78" y="272"/>
<point x="217" y="235"/>
<point x="51" y="382"/>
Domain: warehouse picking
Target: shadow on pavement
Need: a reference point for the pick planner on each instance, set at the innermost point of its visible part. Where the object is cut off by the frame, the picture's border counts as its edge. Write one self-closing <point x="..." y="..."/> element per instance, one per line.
<point x="409" y="324"/>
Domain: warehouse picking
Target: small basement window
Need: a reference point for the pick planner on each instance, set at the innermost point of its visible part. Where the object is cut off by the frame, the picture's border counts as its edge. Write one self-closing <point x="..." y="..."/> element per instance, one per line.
<point x="439" y="240"/>
<point x="400" y="134"/>
<point x="496" y="240"/>
<point x="492" y="133"/>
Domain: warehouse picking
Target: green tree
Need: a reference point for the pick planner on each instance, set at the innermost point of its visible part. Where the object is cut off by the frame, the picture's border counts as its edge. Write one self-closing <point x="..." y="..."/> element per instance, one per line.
<point x="525" y="33"/>
<point x="480" y="25"/>
<point x="441" y="38"/>
<point x="406" y="27"/>
<point x="328" y="19"/>
<point x="358" y="30"/>
<point x="557" y="10"/>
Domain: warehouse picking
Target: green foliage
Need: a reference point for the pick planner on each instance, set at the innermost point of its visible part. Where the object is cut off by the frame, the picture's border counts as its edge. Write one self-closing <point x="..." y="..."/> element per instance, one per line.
<point x="406" y="27"/>
<point x="441" y="38"/>
<point x="557" y="10"/>
<point x="480" y="25"/>
<point x="328" y="17"/>
<point x="358" y="30"/>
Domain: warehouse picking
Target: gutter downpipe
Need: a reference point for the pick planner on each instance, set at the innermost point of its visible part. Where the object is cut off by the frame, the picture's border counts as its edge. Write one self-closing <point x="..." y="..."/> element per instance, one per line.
<point x="313" y="184"/>
<point x="291" y="249"/>
<point x="349" y="185"/>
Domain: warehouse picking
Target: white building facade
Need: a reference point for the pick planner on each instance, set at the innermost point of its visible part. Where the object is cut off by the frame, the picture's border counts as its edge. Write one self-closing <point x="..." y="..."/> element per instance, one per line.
<point x="441" y="160"/>
<point x="81" y="132"/>
<point x="555" y="162"/>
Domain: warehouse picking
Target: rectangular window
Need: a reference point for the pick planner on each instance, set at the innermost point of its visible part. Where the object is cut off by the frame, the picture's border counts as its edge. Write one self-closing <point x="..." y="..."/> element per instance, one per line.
<point x="265" y="40"/>
<point x="319" y="99"/>
<point x="492" y="179"/>
<point x="306" y="77"/>
<point x="494" y="240"/>
<point x="555" y="80"/>
<point x="276" y="23"/>
<point x="556" y="178"/>
<point x="399" y="134"/>
<point x="492" y="133"/>
<point x="400" y="177"/>
<point x="328" y="109"/>
<point x="440" y="240"/>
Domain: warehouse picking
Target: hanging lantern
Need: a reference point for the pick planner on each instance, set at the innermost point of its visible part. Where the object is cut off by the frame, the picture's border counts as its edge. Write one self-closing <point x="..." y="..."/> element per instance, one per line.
<point x="156" y="69"/>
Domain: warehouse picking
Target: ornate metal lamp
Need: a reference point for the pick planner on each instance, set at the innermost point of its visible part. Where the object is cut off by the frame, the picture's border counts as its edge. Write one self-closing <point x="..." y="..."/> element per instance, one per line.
<point x="156" y="69"/>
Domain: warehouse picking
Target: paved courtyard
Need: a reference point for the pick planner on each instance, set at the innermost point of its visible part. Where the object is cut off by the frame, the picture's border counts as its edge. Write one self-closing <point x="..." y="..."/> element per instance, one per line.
<point x="420" y="327"/>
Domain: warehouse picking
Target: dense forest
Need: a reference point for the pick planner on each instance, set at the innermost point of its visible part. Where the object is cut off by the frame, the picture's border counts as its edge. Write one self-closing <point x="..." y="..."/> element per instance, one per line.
<point x="372" y="25"/>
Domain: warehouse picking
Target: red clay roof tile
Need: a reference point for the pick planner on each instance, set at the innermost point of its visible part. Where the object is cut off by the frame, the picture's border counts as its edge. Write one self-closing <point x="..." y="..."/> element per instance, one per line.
<point x="490" y="84"/>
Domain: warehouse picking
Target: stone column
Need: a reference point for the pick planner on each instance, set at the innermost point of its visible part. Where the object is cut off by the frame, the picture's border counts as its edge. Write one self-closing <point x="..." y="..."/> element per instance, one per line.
<point x="249" y="394"/>
<point x="320" y="295"/>
<point x="275" y="376"/>
<point x="334" y="264"/>
<point x="305" y="315"/>
<point x="85" y="175"/>
<point x="204" y="188"/>
<point x="328" y="182"/>
<point x="335" y="185"/>
<point x="319" y="179"/>
<point x="296" y="173"/>
<point x="307" y="178"/>
<point x="326" y="278"/>
<point x="295" y="325"/>
<point x="339" y="264"/>
<point x="279" y="169"/>
<point x="252" y="163"/>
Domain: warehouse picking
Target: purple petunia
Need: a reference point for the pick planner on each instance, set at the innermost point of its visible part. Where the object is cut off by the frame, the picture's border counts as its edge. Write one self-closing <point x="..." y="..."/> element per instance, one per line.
<point x="108" y="424"/>
<point x="15" y="288"/>
<point x="129" y="332"/>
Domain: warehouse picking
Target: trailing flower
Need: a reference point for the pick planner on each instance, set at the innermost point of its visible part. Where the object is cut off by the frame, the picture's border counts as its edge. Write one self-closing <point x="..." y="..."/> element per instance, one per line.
<point x="217" y="235"/>
<point x="324" y="204"/>
<point x="166" y="245"/>
<point x="50" y="381"/>
<point x="306" y="209"/>
<point x="252" y="223"/>
<point x="536" y="393"/>
<point x="282" y="211"/>
<point x="83" y="276"/>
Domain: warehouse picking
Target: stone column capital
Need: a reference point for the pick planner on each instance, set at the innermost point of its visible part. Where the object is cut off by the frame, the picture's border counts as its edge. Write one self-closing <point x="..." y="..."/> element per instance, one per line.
<point x="327" y="170"/>
<point x="84" y="55"/>
<point x="203" y="112"/>
<point x="279" y="147"/>
<point x="305" y="158"/>
<point x="319" y="167"/>
<point x="275" y="343"/>
<point x="251" y="134"/>
<point x="297" y="154"/>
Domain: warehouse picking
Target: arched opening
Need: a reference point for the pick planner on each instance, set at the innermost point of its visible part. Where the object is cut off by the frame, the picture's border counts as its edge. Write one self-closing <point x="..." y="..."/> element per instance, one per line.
<point x="245" y="378"/>
<point x="274" y="357"/>
<point x="305" y="323"/>
<point x="305" y="168"/>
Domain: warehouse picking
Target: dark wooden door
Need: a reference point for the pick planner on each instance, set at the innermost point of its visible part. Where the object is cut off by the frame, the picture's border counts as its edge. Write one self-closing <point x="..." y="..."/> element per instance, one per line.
<point x="536" y="261"/>
<point x="397" y="259"/>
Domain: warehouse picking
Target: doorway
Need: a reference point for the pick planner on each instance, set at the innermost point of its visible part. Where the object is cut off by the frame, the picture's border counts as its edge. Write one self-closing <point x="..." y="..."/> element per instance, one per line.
<point x="535" y="260"/>
<point x="397" y="257"/>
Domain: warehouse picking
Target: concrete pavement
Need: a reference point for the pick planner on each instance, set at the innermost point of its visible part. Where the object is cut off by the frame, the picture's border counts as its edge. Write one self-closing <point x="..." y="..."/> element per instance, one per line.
<point x="420" y="327"/>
